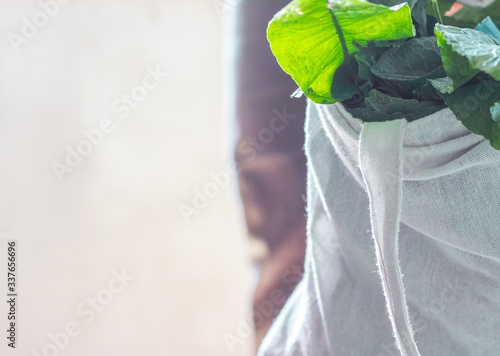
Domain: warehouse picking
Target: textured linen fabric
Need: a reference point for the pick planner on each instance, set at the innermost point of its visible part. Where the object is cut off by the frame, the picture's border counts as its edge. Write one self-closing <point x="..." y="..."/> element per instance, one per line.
<point x="403" y="254"/>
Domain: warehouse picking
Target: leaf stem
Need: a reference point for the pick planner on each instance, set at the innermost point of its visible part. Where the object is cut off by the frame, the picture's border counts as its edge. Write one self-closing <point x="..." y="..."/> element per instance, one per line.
<point x="435" y="5"/>
<point x="343" y="44"/>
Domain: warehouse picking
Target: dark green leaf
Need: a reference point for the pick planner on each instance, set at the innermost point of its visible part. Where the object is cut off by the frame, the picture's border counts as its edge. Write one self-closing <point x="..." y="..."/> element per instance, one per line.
<point x="418" y="58"/>
<point x="344" y="81"/>
<point x="382" y="107"/>
<point x="419" y="15"/>
<point x="428" y="93"/>
<point x="476" y="105"/>
<point x="385" y="104"/>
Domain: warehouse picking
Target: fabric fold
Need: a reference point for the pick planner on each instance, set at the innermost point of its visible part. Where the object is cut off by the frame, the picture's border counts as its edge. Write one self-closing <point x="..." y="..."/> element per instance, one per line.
<point x="416" y="202"/>
<point x="381" y="164"/>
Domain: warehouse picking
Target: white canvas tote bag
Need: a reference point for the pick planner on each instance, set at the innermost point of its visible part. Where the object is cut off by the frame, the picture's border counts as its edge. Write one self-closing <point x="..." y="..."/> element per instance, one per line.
<point x="403" y="253"/>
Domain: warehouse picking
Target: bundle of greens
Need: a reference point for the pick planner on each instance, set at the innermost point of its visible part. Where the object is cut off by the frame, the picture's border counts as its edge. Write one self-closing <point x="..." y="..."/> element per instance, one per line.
<point x="386" y="61"/>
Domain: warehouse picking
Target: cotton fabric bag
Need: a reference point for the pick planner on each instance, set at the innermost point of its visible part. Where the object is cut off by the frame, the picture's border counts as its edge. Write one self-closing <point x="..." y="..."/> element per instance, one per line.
<point x="403" y="254"/>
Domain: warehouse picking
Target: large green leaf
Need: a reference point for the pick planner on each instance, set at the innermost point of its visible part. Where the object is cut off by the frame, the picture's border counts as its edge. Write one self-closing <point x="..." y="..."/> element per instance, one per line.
<point x="465" y="52"/>
<point x="477" y="105"/>
<point x="305" y="41"/>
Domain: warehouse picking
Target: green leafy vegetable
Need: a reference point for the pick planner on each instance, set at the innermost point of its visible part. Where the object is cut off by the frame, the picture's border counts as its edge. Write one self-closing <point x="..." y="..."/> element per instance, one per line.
<point x="457" y="66"/>
<point x="417" y="58"/>
<point x="466" y="51"/>
<point x="344" y="81"/>
<point x="420" y="18"/>
<point x="472" y="89"/>
<point x="393" y="81"/>
<point x="364" y="55"/>
<point x="384" y="104"/>
<point x="381" y="107"/>
<point x="477" y="106"/>
<point x="306" y="43"/>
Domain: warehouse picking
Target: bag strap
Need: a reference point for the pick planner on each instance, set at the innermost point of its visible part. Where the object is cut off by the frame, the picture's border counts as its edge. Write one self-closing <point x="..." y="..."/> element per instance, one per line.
<point x="381" y="164"/>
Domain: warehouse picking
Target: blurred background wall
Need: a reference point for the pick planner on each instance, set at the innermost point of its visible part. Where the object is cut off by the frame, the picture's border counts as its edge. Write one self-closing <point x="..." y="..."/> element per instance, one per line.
<point x="113" y="181"/>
